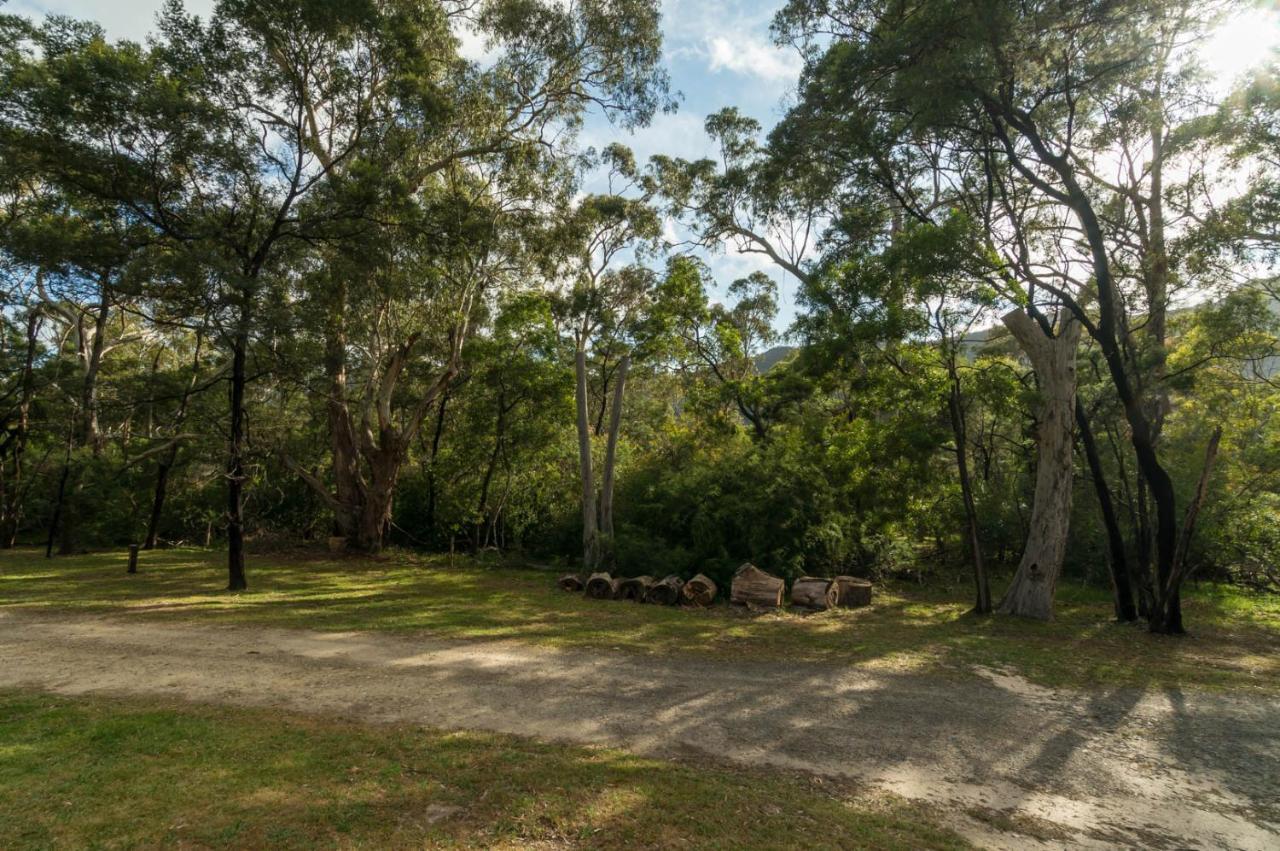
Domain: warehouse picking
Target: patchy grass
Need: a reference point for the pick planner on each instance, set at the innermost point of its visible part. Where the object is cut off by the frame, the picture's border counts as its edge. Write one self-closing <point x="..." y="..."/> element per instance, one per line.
<point x="81" y="773"/>
<point x="1235" y="640"/>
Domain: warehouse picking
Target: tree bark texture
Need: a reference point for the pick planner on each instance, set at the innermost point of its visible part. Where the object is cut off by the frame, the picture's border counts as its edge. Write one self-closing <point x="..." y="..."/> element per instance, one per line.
<point x="754" y="587"/>
<point x="590" y="530"/>
<point x="1121" y="584"/>
<point x="1054" y="361"/>
<point x="610" y="462"/>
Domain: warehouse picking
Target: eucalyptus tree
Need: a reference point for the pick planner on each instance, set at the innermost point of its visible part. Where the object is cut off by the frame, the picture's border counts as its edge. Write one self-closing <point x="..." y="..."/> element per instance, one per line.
<point x="203" y="139"/>
<point x="1043" y="84"/>
<point x="468" y="170"/>
<point x="748" y="200"/>
<point x="724" y="341"/>
<point x="601" y="305"/>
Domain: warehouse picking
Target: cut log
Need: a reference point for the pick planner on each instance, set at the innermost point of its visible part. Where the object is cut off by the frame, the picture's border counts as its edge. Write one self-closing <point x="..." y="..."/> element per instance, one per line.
<point x="814" y="593"/>
<point x="666" y="591"/>
<point x="752" y="586"/>
<point x="602" y="586"/>
<point x="852" y="592"/>
<point x="570" y="582"/>
<point x="699" y="591"/>
<point x="337" y="543"/>
<point x="634" y="588"/>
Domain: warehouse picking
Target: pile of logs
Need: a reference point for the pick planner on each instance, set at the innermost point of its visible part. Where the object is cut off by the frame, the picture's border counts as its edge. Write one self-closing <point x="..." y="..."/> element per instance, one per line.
<point x="751" y="587"/>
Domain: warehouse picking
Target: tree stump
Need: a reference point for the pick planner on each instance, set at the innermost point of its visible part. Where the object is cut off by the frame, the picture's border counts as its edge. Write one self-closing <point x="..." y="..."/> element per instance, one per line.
<point x="699" y="591"/>
<point x="601" y="586"/>
<point x="666" y="591"/>
<point x="815" y="593"/>
<point x="570" y="582"/>
<point x="634" y="588"/>
<point x="133" y="558"/>
<point x="753" y="587"/>
<point x="337" y="543"/>
<point x="852" y="592"/>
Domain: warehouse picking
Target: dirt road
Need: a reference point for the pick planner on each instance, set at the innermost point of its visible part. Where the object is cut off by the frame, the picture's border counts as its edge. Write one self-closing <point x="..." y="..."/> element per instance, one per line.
<point x="1120" y="767"/>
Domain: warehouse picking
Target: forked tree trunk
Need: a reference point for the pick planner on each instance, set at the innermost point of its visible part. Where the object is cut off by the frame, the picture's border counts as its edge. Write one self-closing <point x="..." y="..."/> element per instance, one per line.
<point x="1167" y="617"/>
<point x="91" y="346"/>
<point x="1121" y="585"/>
<point x="590" y="530"/>
<point x="170" y="458"/>
<point x="1054" y="361"/>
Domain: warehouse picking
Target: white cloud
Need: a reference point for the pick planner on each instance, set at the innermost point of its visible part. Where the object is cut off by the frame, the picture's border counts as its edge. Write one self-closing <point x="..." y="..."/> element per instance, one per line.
<point x="748" y="55"/>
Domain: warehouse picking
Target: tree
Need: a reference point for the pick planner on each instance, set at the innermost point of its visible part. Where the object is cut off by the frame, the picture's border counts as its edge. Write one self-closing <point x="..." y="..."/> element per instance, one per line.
<point x="601" y="307"/>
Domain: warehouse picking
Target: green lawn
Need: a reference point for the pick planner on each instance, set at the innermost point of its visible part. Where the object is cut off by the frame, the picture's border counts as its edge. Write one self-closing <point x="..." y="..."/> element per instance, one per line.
<point x="98" y="773"/>
<point x="1235" y="640"/>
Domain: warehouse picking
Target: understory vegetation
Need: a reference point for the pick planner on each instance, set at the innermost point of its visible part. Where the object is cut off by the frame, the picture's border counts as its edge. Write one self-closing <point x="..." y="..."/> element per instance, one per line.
<point x="306" y="271"/>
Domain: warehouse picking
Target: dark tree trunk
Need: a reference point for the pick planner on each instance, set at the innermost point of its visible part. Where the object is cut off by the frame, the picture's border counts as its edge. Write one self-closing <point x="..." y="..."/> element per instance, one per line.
<point x="157" y="500"/>
<point x="236" y="580"/>
<point x="1121" y="586"/>
<point x="171" y="457"/>
<point x="11" y="501"/>
<point x="982" y="588"/>
<point x="57" y="509"/>
<point x="1141" y="432"/>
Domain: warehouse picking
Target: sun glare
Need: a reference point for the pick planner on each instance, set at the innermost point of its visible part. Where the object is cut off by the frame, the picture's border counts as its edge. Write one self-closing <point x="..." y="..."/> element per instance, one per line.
<point x="1243" y="42"/>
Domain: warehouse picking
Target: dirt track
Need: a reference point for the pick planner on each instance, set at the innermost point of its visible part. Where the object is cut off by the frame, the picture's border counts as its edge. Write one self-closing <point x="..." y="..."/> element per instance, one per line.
<point x="1118" y="767"/>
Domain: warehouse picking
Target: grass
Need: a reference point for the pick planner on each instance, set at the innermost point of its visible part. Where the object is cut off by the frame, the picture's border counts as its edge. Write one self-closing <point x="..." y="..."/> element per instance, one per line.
<point x="1235" y="640"/>
<point x="98" y="773"/>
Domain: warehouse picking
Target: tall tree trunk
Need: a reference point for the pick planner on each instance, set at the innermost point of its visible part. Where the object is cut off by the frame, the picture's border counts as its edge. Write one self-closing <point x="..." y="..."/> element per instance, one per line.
<point x="170" y="458"/>
<point x="349" y="489"/>
<point x="158" y="498"/>
<point x="982" y="587"/>
<point x="431" y="469"/>
<point x="610" y="459"/>
<point x="1054" y="361"/>
<point x="236" y="580"/>
<point x="1121" y="586"/>
<point x="482" y="507"/>
<point x="59" y="498"/>
<point x="590" y="531"/>
<point x="1167" y="616"/>
<point x="1141" y="435"/>
<point x="11" y="505"/>
<point x="90" y="347"/>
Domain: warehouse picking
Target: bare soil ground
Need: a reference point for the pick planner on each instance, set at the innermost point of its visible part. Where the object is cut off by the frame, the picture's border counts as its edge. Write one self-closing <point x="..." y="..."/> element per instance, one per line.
<point x="1016" y="764"/>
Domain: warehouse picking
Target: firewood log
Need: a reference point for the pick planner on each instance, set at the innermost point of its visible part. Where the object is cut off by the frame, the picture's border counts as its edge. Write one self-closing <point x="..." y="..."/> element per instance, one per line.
<point x="665" y="592"/>
<point x="852" y="592"/>
<point x="752" y="586"/>
<point x="699" y="591"/>
<point x="634" y="588"/>
<point x="814" y="593"/>
<point x="570" y="582"/>
<point x="601" y="586"/>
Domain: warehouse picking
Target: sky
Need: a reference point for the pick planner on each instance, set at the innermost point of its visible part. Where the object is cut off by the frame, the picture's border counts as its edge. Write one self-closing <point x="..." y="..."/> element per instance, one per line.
<point x="719" y="53"/>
